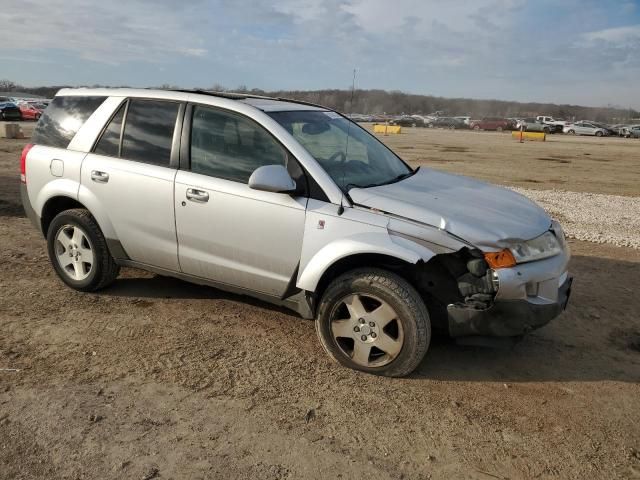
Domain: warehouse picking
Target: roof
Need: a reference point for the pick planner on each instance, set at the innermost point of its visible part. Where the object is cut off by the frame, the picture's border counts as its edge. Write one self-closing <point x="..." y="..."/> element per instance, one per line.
<point x="266" y="104"/>
<point x="280" y="105"/>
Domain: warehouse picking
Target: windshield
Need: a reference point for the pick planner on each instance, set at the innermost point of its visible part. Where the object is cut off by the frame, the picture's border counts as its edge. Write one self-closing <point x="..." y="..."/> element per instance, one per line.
<point x="350" y="155"/>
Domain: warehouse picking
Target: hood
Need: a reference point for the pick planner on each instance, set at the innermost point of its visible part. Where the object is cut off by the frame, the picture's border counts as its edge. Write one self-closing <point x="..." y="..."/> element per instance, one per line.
<point x="478" y="212"/>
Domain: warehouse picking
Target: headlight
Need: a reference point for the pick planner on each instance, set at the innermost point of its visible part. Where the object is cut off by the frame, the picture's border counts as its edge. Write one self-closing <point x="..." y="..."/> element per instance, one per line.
<point x="544" y="246"/>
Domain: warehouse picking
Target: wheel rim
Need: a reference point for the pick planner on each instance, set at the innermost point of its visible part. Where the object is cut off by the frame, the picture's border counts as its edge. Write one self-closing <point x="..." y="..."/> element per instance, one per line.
<point x="74" y="252"/>
<point x="367" y="330"/>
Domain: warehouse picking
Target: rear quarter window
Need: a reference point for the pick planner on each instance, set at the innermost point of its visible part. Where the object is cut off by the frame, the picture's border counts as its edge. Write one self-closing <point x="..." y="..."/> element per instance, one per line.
<point x="63" y="118"/>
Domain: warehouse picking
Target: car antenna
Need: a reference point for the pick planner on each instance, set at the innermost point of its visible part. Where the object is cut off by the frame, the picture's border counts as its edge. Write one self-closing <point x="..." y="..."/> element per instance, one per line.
<point x="346" y="147"/>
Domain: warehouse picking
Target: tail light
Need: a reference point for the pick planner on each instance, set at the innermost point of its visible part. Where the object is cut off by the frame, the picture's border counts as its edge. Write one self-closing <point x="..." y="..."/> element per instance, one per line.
<point x="23" y="162"/>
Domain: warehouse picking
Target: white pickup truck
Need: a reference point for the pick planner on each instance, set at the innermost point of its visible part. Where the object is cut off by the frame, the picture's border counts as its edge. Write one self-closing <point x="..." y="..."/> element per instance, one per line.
<point x="551" y="121"/>
<point x="556" y="126"/>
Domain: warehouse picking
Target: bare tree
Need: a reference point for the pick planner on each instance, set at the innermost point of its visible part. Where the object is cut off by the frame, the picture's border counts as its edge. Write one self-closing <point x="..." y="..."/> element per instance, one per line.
<point x="8" y="86"/>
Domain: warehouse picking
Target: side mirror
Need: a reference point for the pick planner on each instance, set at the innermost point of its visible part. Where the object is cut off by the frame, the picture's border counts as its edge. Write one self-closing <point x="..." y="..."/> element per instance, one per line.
<point x="272" y="178"/>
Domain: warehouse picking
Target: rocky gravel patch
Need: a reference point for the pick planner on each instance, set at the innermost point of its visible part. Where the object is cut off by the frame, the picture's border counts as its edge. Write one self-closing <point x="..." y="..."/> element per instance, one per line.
<point x="593" y="217"/>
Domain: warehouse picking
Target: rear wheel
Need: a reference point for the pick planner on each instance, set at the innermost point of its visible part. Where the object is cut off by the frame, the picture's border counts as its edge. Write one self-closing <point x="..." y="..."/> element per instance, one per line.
<point x="78" y="251"/>
<point x="374" y="321"/>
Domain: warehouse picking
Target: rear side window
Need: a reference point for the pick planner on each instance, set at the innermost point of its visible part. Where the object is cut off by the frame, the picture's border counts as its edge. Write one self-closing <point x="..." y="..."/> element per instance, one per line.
<point x="109" y="143"/>
<point x="148" y="131"/>
<point x="229" y="146"/>
<point x="63" y="118"/>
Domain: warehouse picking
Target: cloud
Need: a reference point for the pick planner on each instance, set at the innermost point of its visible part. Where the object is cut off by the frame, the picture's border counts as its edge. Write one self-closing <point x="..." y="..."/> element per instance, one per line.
<point x="574" y="50"/>
<point x="619" y="36"/>
<point x="101" y="31"/>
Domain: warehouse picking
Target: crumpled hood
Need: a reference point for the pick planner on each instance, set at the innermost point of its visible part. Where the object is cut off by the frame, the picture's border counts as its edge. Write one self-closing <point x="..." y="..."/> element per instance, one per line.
<point x="478" y="212"/>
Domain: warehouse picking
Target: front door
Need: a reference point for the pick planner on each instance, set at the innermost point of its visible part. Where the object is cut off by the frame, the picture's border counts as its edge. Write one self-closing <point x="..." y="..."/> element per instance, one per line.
<point x="228" y="232"/>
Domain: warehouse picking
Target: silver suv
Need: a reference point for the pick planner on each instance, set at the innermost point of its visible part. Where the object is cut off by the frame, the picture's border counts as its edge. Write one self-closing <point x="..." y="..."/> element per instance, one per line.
<point x="294" y="204"/>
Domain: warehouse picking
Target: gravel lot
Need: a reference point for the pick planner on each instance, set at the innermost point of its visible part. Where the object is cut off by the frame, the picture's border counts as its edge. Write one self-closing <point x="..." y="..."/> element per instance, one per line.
<point x="157" y="378"/>
<point x="593" y="217"/>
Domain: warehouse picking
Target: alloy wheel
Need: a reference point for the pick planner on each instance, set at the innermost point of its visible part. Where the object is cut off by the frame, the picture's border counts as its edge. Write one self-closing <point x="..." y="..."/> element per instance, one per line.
<point x="74" y="252"/>
<point x="367" y="330"/>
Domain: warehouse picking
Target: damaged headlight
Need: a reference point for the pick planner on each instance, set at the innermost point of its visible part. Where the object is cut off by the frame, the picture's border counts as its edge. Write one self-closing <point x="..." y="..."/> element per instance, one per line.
<point x="544" y="246"/>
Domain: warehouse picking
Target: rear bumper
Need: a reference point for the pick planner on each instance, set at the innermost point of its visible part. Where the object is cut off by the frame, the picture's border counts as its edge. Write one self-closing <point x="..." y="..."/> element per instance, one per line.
<point x="507" y="318"/>
<point x="28" y="209"/>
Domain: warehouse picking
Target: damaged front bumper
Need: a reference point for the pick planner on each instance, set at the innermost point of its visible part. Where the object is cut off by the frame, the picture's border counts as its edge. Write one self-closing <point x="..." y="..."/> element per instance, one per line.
<point x="529" y="296"/>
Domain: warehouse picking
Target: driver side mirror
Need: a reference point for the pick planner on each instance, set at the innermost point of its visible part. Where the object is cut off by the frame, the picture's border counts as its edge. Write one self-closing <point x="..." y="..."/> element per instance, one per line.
<point x="272" y="178"/>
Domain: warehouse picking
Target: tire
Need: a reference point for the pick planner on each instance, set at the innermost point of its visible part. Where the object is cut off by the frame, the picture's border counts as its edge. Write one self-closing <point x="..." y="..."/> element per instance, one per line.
<point x="413" y="125"/>
<point x="380" y="295"/>
<point x="546" y="131"/>
<point x="499" y="129"/>
<point x="598" y="134"/>
<point x="476" y="127"/>
<point x="88" y="266"/>
<point x="571" y="132"/>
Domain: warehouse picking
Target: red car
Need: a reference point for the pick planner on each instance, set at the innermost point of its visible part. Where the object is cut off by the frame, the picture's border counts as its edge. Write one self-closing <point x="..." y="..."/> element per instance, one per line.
<point x="490" y="123"/>
<point x="29" y="112"/>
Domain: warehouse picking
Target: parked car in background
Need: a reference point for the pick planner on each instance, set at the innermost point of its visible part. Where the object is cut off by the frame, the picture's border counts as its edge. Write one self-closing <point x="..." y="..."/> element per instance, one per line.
<point x="29" y="111"/>
<point x="407" y="121"/>
<point x="611" y="130"/>
<point x="557" y="125"/>
<point x="9" y="110"/>
<point x="531" y="124"/>
<point x="585" y="128"/>
<point x="490" y="123"/>
<point x="512" y="123"/>
<point x="632" y="131"/>
<point x="466" y="120"/>
<point x="41" y="104"/>
<point x="448" y="122"/>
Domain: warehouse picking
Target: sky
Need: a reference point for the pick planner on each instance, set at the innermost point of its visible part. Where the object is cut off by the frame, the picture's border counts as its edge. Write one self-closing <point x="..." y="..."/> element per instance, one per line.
<point x="563" y="51"/>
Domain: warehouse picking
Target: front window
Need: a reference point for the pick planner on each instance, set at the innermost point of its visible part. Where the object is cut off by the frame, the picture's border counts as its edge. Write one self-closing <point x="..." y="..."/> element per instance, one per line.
<point x="348" y="153"/>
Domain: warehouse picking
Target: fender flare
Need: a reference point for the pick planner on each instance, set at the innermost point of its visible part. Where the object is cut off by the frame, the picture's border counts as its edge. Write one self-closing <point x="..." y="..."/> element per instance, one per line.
<point x="91" y="202"/>
<point x="363" y="243"/>
<point x="60" y="187"/>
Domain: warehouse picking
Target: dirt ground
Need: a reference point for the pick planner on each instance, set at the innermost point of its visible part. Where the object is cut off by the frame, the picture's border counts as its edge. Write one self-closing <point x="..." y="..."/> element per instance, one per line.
<point x="157" y="378"/>
<point x="608" y="165"/>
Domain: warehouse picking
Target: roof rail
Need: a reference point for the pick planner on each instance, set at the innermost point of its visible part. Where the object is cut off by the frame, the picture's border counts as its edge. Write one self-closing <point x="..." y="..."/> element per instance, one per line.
<point x="241" y="96"/>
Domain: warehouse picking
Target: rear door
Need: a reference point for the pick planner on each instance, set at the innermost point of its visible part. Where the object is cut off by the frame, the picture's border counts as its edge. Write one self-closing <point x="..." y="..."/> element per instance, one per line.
<point x="129" y="178"/>
<point x="228" y="232"/>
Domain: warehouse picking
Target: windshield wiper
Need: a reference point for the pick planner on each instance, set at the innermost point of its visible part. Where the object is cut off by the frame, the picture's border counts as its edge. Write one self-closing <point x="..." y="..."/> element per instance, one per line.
<point x="349" y="186"/>
<point x="402" y="176"/>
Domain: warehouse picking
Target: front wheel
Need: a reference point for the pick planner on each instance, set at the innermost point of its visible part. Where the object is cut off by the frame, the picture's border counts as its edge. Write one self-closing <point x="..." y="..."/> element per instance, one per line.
<point x="571" y="132"/>
<point x="78" y="251"/>
<point x="374" y="321"/>
<point x="598" y="134"/>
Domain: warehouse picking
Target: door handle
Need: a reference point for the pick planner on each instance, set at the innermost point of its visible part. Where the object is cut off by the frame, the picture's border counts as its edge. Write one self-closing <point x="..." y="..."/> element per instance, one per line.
<point x="196" y="195"/>
<point x="100" y="177"/>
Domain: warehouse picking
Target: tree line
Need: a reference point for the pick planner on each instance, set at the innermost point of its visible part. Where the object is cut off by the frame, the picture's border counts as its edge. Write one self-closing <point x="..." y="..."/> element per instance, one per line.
<point x="397" y="102"/>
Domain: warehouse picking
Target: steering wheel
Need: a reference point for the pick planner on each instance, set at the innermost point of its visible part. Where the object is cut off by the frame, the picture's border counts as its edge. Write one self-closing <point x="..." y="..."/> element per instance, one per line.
<point x="335" y="156"/>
